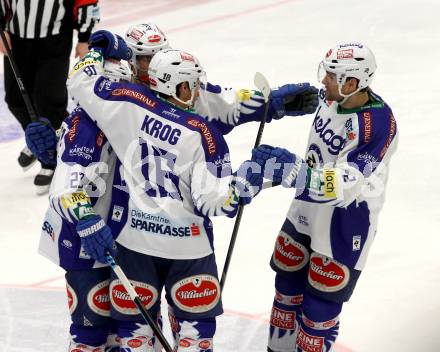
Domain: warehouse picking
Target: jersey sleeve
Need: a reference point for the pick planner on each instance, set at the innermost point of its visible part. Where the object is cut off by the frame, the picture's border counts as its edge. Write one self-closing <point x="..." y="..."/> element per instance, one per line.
<point x="362" y="166"/>
<point x="211" y="175"/>
<point x="82" y="167"/>
<point x="226" y="108"/>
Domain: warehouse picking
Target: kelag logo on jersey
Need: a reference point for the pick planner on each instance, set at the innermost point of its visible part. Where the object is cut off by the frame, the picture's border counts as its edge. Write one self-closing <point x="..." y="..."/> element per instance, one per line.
<point x="334" y="142"/>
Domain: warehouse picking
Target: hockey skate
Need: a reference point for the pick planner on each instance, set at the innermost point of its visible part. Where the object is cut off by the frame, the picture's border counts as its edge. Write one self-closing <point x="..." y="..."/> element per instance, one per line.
<point x="26" y="159"/>
<point x="43" y="179"/>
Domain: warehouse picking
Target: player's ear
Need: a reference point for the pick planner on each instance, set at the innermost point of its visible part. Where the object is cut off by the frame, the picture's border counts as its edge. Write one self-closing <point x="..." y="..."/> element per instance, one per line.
<point x="182" y="88"/>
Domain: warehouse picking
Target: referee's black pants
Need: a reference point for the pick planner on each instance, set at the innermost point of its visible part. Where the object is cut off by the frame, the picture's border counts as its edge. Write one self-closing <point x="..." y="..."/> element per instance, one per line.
<point x="44" y="65"/>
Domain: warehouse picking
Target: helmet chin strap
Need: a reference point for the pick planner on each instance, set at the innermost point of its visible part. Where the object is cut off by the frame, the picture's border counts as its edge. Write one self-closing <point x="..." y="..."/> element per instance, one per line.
<point x="345" y="96"/>
<point x="189" y="102"/>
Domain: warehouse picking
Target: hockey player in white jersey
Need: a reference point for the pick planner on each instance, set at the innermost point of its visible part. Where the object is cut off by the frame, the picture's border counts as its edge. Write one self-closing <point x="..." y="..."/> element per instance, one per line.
<point x="81" y="187"/>
<point x="340" y="187"/>
<point x="177" y="170"/>
<point x="150" y="40"/>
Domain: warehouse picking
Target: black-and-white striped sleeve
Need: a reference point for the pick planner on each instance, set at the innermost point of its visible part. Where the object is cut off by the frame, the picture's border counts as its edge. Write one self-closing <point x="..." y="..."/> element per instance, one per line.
<point x="36" y="18"/>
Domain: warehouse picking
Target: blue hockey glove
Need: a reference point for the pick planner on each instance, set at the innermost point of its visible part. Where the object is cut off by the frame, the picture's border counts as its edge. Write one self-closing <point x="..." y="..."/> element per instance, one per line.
<point x="279" y="165"/>
<point x="41" y="139"/>
<point x="293" y="100"/>
<point x="96" y="238"/>
<point x="248" y="181"/>
<point x="111" y="45"/>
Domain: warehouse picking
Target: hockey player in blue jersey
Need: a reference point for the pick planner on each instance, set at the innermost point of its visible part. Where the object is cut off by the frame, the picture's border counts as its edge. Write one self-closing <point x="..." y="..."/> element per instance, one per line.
<point x="323" y="244"/>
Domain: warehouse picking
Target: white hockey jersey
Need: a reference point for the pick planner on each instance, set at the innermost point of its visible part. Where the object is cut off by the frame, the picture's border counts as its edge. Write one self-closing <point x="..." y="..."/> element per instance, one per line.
<point x="349" y="152"/>
<point x="174" y="165"/>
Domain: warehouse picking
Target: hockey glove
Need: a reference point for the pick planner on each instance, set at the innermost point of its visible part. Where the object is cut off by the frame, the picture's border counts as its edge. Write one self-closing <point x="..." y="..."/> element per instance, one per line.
<point x="279" y="165"/>
<point x="41" y="139"/>
<point x="293" y="100"/>
<point x="248" y="181"/>
<point x="96" y="238"/>
<point x="110" y="45"/>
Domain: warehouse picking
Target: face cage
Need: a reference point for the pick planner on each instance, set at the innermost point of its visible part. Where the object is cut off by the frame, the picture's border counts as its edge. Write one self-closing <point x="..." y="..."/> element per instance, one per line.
<point x="341" y="78"/>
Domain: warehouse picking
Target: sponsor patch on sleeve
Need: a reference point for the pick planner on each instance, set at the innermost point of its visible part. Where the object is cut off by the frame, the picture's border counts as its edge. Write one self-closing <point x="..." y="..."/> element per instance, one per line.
<point x="330" y="183"/>
<point x="72" y="199"/>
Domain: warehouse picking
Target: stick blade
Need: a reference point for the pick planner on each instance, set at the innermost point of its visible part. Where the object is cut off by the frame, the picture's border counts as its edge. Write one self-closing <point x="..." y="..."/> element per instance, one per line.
<point x="263" y="85"/>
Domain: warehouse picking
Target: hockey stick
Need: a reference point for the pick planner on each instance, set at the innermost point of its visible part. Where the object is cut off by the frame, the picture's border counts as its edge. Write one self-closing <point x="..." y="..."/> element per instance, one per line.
<point x="137" y="301"/>
<point x="263" y="85"/>
<point x="23" y="91"/>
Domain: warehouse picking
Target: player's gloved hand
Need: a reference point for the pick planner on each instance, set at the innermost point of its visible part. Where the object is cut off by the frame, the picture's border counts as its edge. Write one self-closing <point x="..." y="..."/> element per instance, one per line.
<point x="111" y="45"/>
<point x="279" y="165"/>
<point x="41" y="139"/>
<point x="248" y="181"/>
<point x="96" y="238"/>
<point x="293" y="100"/>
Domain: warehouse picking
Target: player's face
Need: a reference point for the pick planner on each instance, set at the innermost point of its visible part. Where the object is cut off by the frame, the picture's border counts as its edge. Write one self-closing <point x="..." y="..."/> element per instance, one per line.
<point x="331" y="87"/>
<point x="142" y="65"/>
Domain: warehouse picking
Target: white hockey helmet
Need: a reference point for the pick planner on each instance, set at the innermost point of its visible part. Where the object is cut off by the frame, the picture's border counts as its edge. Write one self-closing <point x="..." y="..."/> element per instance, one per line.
<point x="349" y="60"/>
<point x="169" y="68"/>
<point x="145" y="39"/>
<point x="117" y="71"/>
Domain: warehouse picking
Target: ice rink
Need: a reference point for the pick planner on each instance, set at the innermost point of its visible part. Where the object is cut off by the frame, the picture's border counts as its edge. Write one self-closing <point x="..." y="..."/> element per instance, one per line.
<point x="396" y="304"/>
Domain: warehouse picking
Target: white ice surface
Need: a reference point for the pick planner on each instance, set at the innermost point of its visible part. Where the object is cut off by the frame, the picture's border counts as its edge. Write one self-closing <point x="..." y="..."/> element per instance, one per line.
<point x="396" y="304"/>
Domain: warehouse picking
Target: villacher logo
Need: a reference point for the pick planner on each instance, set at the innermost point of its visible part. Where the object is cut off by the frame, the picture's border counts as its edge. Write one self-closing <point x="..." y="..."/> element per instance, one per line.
<point x="196" y="294"/>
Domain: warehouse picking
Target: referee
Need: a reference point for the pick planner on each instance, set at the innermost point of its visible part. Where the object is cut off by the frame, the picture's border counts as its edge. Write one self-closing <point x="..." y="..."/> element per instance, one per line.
<point x="40" y="34"/>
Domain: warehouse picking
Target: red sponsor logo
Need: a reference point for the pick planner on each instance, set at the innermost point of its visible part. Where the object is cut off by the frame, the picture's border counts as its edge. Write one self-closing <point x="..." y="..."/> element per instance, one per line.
<point x="330" y="323"/>
<point x="134" y="95"/>
<point x="72" y="300"/>
<point x="289" y="255"/>
<point x="367" y="126"/>
<point x="390" y="136"/>
<point x="98" y="298"/>
<point x="187" y="57"/>
<point x="326" y="274"/>
<point x="351" y="136"/>
<point x="205" y="344"/>
<point x="100" y="139"/>
<point x="282" y="319"/>
<point x="73" y="129"/>
<point x="196" y="294"/>
<point x="122" y="301"/>
<point x="195" y="230"/>
<point x="345" y="54"/>
<point x="329" y="53"/>
<point x="136" y="342"/>
<point x="206" y="133"/>
<point x="308" y="322"/>
<point x="154" y="38"/>
<point x="186" y="342"/>
<point x="152" y="81"/>
<point x="136" y="34"/>
<point x="296" y="300"/>
<point x="309" y="343"/>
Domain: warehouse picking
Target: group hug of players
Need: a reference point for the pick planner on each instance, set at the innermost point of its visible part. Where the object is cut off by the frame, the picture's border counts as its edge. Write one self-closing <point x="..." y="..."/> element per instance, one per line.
<point x="142" y="165"/>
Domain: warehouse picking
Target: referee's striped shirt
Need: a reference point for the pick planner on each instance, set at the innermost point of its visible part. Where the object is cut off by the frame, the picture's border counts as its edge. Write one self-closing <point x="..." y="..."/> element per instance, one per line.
<point x="41" y="18"/>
